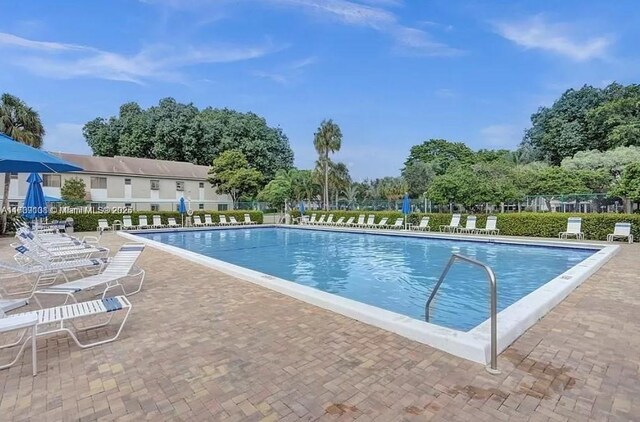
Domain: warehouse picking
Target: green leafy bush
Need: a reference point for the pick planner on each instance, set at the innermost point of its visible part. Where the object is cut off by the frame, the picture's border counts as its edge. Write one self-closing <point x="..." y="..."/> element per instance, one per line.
<point x="89" y="222"/>
<point x="594" y="226"/>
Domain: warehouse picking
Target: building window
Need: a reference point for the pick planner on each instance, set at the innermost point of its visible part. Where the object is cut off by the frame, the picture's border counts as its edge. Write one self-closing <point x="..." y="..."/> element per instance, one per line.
<point x="155" y="185"/>
<point x="51" y="180"/>
<point x="223" y="207"/>
<point x="155" y="207"/>
<point x="127" y="181"/>
<point x="200" y="206"/>
<point x="201" y="185"/>
<point x="13" y="204"/>
<point x="180" y="186"/>
<point x="98" y="206"/>
<point x="14" y="176"/>
<point x="98" y="182"/>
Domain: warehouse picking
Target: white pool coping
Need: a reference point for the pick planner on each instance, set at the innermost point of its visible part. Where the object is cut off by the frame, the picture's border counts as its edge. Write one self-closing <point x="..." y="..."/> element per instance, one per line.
<point x="473" y="345"/>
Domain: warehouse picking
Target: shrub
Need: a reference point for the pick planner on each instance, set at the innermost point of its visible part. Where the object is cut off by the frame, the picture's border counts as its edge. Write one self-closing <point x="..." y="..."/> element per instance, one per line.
<point x="89" y="222"/>
<point x="594" y="226"/>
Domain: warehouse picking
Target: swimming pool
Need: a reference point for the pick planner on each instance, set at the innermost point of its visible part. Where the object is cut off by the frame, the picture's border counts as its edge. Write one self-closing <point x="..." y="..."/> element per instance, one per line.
<point x="389" y="272"/>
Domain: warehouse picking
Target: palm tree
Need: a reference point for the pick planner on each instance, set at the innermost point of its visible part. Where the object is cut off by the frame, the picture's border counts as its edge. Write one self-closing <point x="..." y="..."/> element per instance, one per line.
<point x="22" y="123"/>
<point x="327" y="140"/>
<point x="339" y="178"/>
<point x="351" y="194"/>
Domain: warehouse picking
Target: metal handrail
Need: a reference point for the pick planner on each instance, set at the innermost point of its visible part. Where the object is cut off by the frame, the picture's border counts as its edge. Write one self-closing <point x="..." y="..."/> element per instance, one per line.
<point x="494" y="303"/>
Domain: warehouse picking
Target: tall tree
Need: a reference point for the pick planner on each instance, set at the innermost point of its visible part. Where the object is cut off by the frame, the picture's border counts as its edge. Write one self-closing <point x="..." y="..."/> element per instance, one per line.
<point x="176" y="131"/>
<point x="22" y="123"/>
<point x="440" y="153"/>
<point x="629" y="185"/>
<point x="327" y="140"/>
<point x="418" y="176"/>
<point x="231" y="174"/>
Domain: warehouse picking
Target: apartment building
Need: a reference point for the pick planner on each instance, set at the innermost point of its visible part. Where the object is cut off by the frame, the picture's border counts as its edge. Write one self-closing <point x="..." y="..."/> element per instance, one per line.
<point x="139" y="183"/>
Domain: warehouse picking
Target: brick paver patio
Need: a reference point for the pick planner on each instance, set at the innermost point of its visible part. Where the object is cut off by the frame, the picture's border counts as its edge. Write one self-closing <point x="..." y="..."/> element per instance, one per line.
<point x="203" y="346"/>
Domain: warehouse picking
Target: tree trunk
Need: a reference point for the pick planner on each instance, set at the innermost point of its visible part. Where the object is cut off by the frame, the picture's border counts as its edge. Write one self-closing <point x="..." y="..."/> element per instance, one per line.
<point x="5" y="201"/>
<point x="326" y="182"/>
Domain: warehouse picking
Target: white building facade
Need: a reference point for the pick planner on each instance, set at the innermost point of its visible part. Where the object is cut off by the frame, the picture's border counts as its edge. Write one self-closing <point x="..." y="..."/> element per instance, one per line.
<point x="137" y="183"/>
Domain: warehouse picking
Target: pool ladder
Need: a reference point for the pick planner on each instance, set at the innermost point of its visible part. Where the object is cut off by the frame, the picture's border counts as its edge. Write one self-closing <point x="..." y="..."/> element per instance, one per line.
<point x="491" y="277"/>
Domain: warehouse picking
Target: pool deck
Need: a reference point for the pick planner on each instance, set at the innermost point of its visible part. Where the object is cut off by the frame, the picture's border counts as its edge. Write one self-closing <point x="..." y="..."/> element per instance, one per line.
<point x="202" y="345"/>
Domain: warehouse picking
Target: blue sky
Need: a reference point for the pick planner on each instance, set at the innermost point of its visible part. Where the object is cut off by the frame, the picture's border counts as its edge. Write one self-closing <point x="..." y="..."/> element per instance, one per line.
<point x="391" y="73"/>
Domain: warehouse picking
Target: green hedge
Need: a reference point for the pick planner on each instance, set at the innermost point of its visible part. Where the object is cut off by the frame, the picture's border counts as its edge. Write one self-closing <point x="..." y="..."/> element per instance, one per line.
<point x="594" y="226"/>
<point x="89" y="222"/>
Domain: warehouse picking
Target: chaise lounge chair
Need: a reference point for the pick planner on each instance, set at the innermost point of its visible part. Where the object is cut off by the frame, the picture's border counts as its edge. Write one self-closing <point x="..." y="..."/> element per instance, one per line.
<point x="208" y="221"/>
<point x="248" y="220"/>
<point x="103" y="225"/>
<point x="399" y="224"/>
<point x="381" y="224"/>
<point x="453" y="225"/>
<point x="56" y="320"/>
<point x="490" y="228"/>
<point x="371" y="221"/>
<point x="574" y="228"/>
<point x="142" y="222"/>
<point x="422" y="226"/>
<point x="126" y="223"/>
<point x="621" y="231"/>
<point x="197" y="222"/>
<point x="121" y="266"/>
<point x="157" y="222"/>
<point x="470" y="226"/>
<point x="172" y="223"/>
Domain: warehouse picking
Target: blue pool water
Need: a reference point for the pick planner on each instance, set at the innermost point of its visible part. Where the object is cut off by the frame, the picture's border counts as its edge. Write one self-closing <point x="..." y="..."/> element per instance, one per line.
<point x="393" y="273"/>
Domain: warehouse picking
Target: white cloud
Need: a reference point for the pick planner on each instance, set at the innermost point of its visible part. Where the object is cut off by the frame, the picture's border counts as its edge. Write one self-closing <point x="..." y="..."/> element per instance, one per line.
<point x="501" y="136"/>
<point x="65" y="61"/>
<point x="66" y="137"/>
<point x="408" y="39"/>
<point x="537" y="33"/>
<point x="287" y="73"/>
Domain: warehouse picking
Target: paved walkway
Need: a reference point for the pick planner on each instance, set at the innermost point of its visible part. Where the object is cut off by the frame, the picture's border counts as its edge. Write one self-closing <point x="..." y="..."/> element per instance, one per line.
<point x="203" y="346"/>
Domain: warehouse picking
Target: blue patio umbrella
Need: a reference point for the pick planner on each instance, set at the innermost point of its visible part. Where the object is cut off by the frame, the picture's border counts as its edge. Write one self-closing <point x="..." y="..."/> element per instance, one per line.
<point x="301" y="207"/>
<point x="182" y="208"/>
<point x="35" y="206"/>
<point x="406" y="207"/>
<point x="16" y="157"/>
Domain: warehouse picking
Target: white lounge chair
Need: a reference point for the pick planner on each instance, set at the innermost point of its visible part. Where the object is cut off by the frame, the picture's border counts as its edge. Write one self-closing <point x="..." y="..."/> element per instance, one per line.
<point x="197" y="222"/>
<point x="233" y="221"/>
<point x="120" y="267"/>
<point x="621" y="231"/>
<point x="382" y="223"/>
<point x="574" y="228"/>
<point x="248" y="220"/>
<point x="142" y="222"/>
<point x="339" y="222"/>
<point x="157" y="222"/>
<point x="470" y="226"/>
<point x="423" y="225"/>
<point x="453" y="225"/>
<point x="208" y="221"/>
<point x="57" y="251"/>
<point x="329" y="221"/>
<point x="360" y="222"/>
<point x="172" y="222"/>
<point x="127" y="224"/>
<point x="371" y="220"/>
<point x="312" y="220"/>
<point x="58" y="319"/>
<point x="223" y="220"/>
<point x="349" y="222"/>
<point x="320" y="220"/>
<point x="490" y="228"/>
<point x="399" y="224"/>
<point x="103" y="225"/>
